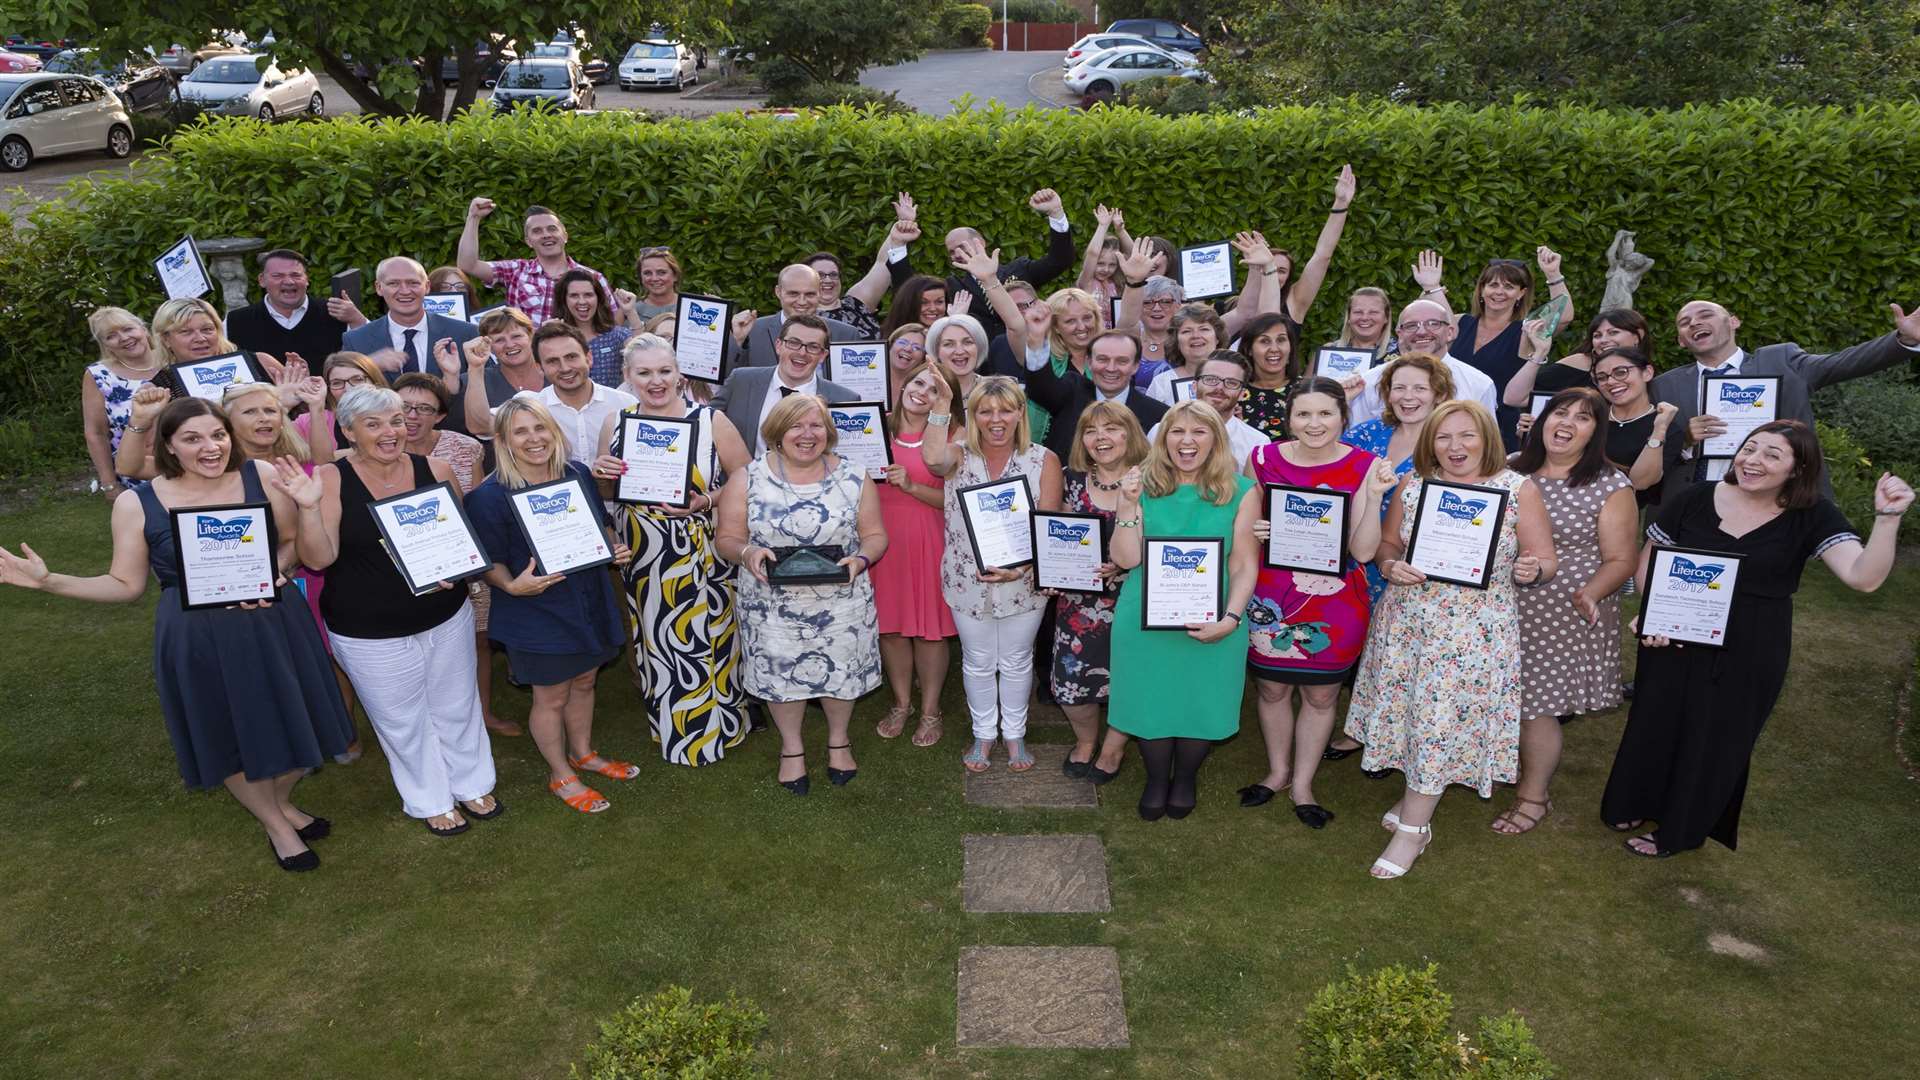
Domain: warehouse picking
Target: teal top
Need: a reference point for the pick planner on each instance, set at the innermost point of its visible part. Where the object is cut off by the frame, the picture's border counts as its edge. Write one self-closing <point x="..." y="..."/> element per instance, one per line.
<point x="1165" y="684"/>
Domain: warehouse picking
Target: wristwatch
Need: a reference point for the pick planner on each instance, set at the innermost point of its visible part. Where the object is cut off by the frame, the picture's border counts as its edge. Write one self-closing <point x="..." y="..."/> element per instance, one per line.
<point x="1656" y="443"/>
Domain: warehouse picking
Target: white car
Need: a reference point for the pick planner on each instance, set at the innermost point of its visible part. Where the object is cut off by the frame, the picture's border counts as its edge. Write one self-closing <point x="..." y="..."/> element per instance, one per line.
<point x="1096" y="43"/>
<point x="245" y="86"/>
<point x="46" y="114"/>
<point x="657" y="63"/>
<point x="1107" y="72"/>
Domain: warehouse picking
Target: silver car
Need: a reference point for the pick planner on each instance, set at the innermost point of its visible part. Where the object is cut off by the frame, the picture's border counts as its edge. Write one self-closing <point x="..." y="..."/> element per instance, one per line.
<point x="1107" y="72"/>
<point x="46" y="114"/>
<point x="248" y="86"/>
<point x="658" y="63"/>
<point x="1094" y="44"/>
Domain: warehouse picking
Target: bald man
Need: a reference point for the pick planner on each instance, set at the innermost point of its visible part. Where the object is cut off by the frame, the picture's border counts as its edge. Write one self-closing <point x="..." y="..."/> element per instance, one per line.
<point x="797" y="289"/>
<point x="1708" y="332"/>
<point x="403" y="339"/>
<point x="1061" y="256"/>
<point x="1425" y="326"/>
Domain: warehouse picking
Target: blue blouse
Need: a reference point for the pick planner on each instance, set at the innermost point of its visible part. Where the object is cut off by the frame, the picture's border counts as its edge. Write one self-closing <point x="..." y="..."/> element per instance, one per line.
<point x="1373" y="436"/>
<point x="604" y="353"/>
<point x="578" y="615"/>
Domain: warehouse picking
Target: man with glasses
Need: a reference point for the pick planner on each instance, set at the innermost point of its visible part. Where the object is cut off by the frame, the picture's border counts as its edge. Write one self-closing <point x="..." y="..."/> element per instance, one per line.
<point x="1426" y="326"/>
<point x="1112" y="358"/>
<point x="858" y="304"/>
<point x="1061" y="256"/>
<point x="798" y="291"/>
<point x="750" y="393"/>
<point x="1222" y="377"/>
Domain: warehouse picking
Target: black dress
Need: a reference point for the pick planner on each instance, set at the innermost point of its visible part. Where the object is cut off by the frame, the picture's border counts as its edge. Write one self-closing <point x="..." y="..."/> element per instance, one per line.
<point x="243" y="691"/>
<point x="1498" y="361"/>
<point x="1697" y="712"/>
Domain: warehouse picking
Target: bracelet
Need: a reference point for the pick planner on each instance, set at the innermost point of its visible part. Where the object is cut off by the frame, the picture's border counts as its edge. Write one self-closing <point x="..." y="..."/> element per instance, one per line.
<point x="1126" y="523"/>
<point x="1234" y="615"/>
<point x="1136" y="284"/>
<point x="1435" y="289"/>
<point x="939" y="419"/>
<point x="1337" y="210"/>
<point x="1270" y="271"/>
<point x="139" y="430"/>
<point x="1551" y="282"/>
<point x="1889" y="513"/>
<point x="866" y="564"/>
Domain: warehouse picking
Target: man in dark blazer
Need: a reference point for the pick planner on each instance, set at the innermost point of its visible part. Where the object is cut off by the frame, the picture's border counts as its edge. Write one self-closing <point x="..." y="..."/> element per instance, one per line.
<point x="402" y="340"/>
<point x="1707" y="332"/>
<point x="798" y="291"/>
<point x="1061" y="256"/>
<point x="750" y="393"/>
<point x="1112" y="359"/>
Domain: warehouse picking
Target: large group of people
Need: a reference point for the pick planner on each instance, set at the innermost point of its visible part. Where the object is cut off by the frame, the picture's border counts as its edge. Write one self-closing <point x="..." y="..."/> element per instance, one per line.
<point x="1115" y="396"/>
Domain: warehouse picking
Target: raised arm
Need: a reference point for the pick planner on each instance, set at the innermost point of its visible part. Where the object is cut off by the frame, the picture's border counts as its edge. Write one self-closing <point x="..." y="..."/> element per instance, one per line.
<point x="126" y="576"/>
<point x="1261" y="293"/>
<point x="1534" y="346"/>
<point x="1865" y="358"/>
<point x="1861" y="566"/>
<point x="316" y="500"/>
<point x="872" y="288"/>
<point x="467" y="257"/>
<point x="1060" y="251"/>
<point x="473" y="398"/>
<point x="1135" y="264"/>
<point x="135" y="456"/>
<point x="1363" y="521"/>
<point x="1651" y="464"/>
<point x="1103" y="220"/>
<point x="1127" y="527"/>
<point x="984" y="265"/>
<point x="1556" y="281"/>
<point x="1306" y="287"/>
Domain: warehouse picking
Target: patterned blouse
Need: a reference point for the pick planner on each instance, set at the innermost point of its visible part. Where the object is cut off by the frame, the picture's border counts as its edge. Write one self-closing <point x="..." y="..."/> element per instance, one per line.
<point x="959" y="574"/>
<point x="605" y="351"/>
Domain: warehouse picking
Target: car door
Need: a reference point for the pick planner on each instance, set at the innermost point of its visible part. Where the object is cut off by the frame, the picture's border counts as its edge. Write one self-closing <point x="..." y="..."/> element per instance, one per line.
<point x="35" y="115"/>
<point x="1154" y="65"/>
<point x="88" y="114"/>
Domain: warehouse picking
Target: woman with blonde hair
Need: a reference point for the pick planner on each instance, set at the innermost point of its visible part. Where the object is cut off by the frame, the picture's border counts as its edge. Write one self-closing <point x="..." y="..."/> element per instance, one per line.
<point x="184" y="329"/>
<point x="1368" y="309"/>
<point x="127" y="361"/>
<point x="1068" y="321"/>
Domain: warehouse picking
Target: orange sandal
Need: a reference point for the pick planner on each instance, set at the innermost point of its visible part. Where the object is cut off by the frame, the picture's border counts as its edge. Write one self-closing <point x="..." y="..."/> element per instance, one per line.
<point x="587" y="800"/>
<point x="608" y="767"/>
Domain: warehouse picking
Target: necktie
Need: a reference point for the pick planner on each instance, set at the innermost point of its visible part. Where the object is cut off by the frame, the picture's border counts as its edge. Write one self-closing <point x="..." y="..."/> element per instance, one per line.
<point x="409" y="335"/>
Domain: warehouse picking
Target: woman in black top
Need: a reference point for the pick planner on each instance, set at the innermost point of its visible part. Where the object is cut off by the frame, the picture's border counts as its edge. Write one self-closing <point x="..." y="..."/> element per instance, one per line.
<point x="410" y="657"/>
<point x="1488" y="337"/>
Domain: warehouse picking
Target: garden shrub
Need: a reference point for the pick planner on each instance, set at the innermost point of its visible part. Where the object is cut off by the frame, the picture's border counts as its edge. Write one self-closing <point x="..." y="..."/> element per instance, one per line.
<point x="1855" y="473"/>
<point x="963" y="26"/>
<point x="1039" y="11"/>
<point x="1398" y="1023"/>
<point x="1881" y="411"/>
<point x="821" y="95"/>
<point x="670" y="1037"/>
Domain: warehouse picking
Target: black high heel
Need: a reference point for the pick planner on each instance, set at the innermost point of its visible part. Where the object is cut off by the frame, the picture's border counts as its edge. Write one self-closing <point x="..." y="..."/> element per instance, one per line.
<point x="841" y="777"/>
<point x="294" y="864"/>
<point x="317" y="829"/>
<point x="797" y="787"/>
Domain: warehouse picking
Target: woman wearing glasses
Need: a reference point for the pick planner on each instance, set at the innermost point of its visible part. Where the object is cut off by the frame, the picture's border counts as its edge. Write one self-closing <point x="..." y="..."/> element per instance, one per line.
<point x="1615" y="328"/>
<point x="1636" y="429"/>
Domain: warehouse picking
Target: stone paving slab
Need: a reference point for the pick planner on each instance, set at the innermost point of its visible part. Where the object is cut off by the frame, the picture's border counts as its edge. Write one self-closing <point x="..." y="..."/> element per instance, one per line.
<point x="1035" y="874"/>
<point x="1041" y="786"/>
<point x="1046" y="997"/>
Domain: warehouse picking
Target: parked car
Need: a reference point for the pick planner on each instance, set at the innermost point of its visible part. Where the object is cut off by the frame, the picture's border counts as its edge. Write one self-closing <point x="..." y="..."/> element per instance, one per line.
<point x="140" y="87"/>
<point x="38" y="48"/>
<point x="596" y="69"/>
<point x="181" y="60"/>
<point x="658" y="63"/>
<point x="17" y="63"/>
<point x="493" y="60"/>
<point x="46" y="114"/>
<point x="244" y="86"/>
<point x="1162" y="32"/>
<point x="1094" y="44"/>
<point x="1110" y="70"/>
<point x="558" y="84"/>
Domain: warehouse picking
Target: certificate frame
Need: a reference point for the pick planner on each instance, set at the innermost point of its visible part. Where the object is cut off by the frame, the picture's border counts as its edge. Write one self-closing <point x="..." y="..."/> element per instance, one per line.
<point x="1214" y="258"/>
<point x="521" y="502"/>
<point x="877" y="386"/>
<point x="452" y="305"/>
<point x="1338" y="503"/>
<point x="695" y="310"/>
<point x="1097" y="534"/>
<point x="1018" y="481"/>
<point x="179" y="266"/>
<point x="183" y="370"/>
<point x="1338" y="362"/>
<point x="1725" y="446"/>
<point x="625" y="437"/>
<point x="846" y="416"/>
<point x="347" y="284"/>
<point x="1650" y="602"/>
<point x="1537" y="400"/>
<point x="1149" y="562"/>
<point x="1497" y="506"/>
<point x="1187" y="389"/>
<point x="446" y="491"/>
<point x="262" y="512"/>
<point x="476" y="316"/>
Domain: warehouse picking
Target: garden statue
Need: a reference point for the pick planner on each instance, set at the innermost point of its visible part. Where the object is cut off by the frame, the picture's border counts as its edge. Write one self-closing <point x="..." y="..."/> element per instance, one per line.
<point x="1625" y="268"/>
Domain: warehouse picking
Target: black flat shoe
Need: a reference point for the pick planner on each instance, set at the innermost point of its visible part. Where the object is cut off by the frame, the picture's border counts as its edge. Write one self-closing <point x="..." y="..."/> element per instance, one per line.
<point x="1626" y="690"/>
<point x="1376" y="774"/>
<point x="797" y="787"/>
<point x="1075" y="770"/>
<point x="498" y="809"/>
<point x="1312" y="815"/>
<point x="1177" y="812"/>
<point x="295" y="864"/>
<point x="841" y="777"/>
<point x="1339" y="753"/>
<point x="317" y="829"/>
<point x="1256" y="795"/>
<point x="1101" y="776"/>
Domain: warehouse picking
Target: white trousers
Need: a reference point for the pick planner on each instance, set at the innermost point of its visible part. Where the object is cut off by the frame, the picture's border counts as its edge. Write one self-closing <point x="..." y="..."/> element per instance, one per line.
<point x="996" y="666"/>
<point x="420" y="693"/>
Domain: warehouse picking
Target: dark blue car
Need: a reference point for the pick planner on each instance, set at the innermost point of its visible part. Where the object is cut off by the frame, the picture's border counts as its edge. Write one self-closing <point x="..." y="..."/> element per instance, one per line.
<point x="1162" y="32"/>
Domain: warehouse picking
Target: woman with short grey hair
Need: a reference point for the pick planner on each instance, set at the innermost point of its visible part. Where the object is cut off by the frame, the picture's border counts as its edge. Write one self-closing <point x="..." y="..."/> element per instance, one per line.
<point x="960" y="343"/>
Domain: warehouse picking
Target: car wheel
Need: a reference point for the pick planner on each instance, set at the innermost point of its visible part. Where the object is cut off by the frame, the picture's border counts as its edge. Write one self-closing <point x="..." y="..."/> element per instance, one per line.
<point x="266" y="112"/>
<point x="119" y="141"/>
<point x="1100" y="88"/>
<point x="15" y="154"/>
<point x="317" y="105"/>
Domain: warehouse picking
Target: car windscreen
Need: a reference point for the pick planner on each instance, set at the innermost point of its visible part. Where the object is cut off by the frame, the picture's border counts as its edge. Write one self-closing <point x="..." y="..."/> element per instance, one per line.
<point x="552" y="50"/>
<point x="73" y="63"/>
<point x="535" y="77"/>
<point x="650" y="52"/>
<point x="226" y="71"/>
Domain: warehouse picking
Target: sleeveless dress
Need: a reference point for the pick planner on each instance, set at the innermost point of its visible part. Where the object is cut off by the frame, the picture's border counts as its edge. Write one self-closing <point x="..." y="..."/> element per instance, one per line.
<point x="1165" y="684"/>
<point x="117" y="394"/>
<point x="1566" y="664"/>
<point x="906" y="580"/>
<point x="1083" y="624"/>
<point x="680" y="613"/>
<point x="1309" y="629"/>
<point x="1438" y="690"/>
<point x="807" y="641"/>
<point x="242" y="691"/>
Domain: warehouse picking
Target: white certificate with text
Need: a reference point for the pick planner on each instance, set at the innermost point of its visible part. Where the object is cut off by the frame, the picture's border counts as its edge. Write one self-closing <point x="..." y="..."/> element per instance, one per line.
<point x="1183" y="581"/>
<point x="560" y="525"/>
<point x="1744" y="402"/>
<point x="1456" y="528"/>
<point x="224" y="554"/>
<point x="1207" y="271"/>
<point x="700" y="329"/>
<point x="429" y="537"/>
<point x="1689" y="595"/>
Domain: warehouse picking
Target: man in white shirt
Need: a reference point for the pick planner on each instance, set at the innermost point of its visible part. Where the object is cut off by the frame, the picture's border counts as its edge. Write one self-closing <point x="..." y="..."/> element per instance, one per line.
<point x="403" y="339"/>
<point x="750" y="393"/>
<point x="1222" y="377"/>
<point x="1426" y="326"/>
<point x="580" y="405"/>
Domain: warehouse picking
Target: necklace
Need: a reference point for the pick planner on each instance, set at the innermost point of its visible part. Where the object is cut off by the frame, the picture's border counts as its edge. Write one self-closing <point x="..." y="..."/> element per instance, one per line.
<point x="380" y="483"/>
<point x="1094" y="479"/>
<point x="149" y="369"/>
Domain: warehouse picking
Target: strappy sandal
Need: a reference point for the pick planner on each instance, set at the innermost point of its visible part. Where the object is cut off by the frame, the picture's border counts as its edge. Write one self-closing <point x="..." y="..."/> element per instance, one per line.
<point x="1388" y="870"/>
<point x="608" y="767"/>
<point x="929" y="731"/>
<point x="1626" y="826"/>
<point x="1658" y="852"/>
<point x="891" y="725"/>
<point x="587" y="800"/>
<point x="842" y="777"/>
<point x="1018" y="758"/>
<point x="1513" y="816"/>
<point x="979" y="758"/>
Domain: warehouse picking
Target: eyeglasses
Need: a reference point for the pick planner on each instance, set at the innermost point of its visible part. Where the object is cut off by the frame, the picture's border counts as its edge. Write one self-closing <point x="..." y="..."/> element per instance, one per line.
<point x="1215" y="382"/>
<point x="1430" y="325"/>
<point x="804" y="348"/>
<point x="1165" y="301"/>
<point x="1024" y="305"/>
<point x="909" y="348"/>
<point x="337" y="385"/>
<point x="420" y="410"/>
<point x="830" y="275"/>
<point x="1619" y="374"/>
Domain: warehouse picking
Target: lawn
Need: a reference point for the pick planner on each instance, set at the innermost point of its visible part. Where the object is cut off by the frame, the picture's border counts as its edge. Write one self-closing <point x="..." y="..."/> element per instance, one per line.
<point x="148" y="934"/>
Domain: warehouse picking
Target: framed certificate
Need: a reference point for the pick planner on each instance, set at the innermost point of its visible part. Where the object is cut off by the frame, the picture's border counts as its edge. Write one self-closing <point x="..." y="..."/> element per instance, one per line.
<point x="1455" y="530"/>
<point x="210" y="378"/>
<point x="183" y="273"/>
<point x="1744" y="402"/>
<point x="346" y="283"/>
<point x="659" y="452"/>
<point x="1207" y="271"/>
<point x="1184" y="581"/>
<point x="1185" y="390"/>
<point x="484" y="312"/>
<point x="860" y="366"/>
<point x="224" y="555"/>
<point x="1337" y="363"/>
<point x="1307" y="529"/>
<point x="862" y="435"/>
<point x="451" y="304"/>
<point x="998" y="516"/>
<point x="429" y="537"/>
<point x="558" y="520"/>
<point x="1537" y="403"/>
<point x="1067" y="552"/>
<point x="1113" y="311"/>
<point x="700" y="329"/>
<point x="1689" y="595"/>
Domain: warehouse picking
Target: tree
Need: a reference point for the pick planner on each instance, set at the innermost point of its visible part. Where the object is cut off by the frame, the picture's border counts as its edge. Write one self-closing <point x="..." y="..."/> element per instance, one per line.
<point x="828" y="40"/>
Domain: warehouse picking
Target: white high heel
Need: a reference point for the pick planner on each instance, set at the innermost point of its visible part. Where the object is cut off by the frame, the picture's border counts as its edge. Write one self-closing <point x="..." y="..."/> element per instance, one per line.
<point x="1389" y="821"/>
<point x="1394" y="870"/>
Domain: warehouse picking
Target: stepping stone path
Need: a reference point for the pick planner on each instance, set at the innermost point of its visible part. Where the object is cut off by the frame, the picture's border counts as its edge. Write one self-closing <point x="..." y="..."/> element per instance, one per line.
<point x="1035" y="874"/>
<point x="1060" y="998"/>
<point x="1042" y="786"/>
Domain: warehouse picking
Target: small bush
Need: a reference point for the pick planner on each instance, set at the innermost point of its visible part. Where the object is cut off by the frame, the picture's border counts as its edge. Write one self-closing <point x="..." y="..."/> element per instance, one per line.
<point x="1399" y="1023"/>
<point x="964" y="26"/>
<point x="1855" y="472"/>
<point x="1040" y="11"/>
<point x="820" y="95"/>
<point x="1881" y="412"/>
<point x="669" y="1037"/>
<point x="1171" y="95"/>
<point x="781" y="76"/>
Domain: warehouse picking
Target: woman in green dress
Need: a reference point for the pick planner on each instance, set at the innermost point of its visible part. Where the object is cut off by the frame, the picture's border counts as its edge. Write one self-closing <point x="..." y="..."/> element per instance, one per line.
<point x="1191" y="489"/>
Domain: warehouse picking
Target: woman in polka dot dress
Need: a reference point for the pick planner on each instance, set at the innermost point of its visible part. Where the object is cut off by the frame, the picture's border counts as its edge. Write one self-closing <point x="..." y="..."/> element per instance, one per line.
<point x="1570" y="626"/>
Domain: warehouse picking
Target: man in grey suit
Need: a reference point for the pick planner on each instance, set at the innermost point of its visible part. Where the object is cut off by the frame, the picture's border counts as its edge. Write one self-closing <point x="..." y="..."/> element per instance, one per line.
<point x="798" y="290"/>
<point x="1707" y="332"/>
<point x="403" y="339"/>
<point x="750" y="393"/>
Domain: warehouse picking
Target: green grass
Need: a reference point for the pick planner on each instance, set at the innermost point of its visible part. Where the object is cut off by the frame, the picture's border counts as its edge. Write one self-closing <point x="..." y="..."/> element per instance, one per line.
<point x="147" y="934"/>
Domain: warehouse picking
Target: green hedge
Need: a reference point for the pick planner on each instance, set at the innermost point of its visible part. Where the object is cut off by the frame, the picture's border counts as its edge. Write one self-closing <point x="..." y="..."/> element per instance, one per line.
<point x="1802" y="221"/>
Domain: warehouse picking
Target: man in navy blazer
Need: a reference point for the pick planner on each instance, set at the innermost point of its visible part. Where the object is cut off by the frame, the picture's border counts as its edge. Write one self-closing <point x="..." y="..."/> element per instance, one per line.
<point x="1113" y="356"/>
<point x="403" y="339"/>
<point x="750" y="393"/>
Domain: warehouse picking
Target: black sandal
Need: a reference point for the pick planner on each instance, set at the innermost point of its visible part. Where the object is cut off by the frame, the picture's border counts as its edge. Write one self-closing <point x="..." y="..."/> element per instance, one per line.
<point x="840" y="777"/>
<point x="1256" y="795"/>
<point x="1626" y="826"/>
<point x="1340" y="753"/>
<point x="1658" y="852"/>
<point x="1312" y="815"/>
<point x="498" y="809"/>
<point x="799" y="786"/>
